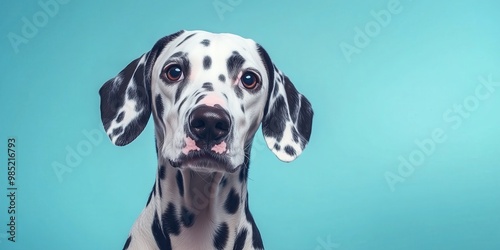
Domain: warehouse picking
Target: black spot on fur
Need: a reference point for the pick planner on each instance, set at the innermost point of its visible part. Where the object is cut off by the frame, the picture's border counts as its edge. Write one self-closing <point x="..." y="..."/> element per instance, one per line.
<point x="127" y="243"/>
<point x="113" y="93"/>
<point x="277" y="146"/>
<point x="205" y="42"/>
<point x="234" y="64"/>
<point x="304" y="119"/>
<point x="256" y="238"/>
<point x="120" y="117"/>
<point x="174" y="164"/>
<point x="292" y="96"/>
<point x="185" y="39"/>
<point x="208" y="86"/>
<point x="159" y="106"/>
<point x="239" y="92"/>
<point x="178" y="92"/>
<point x="222" y="78"/>
<point x="170" y="222"/>
<point x="295" y="135"/>
<point x="199" y="98"/>
<point x="162" y="239"/>
<point x="242" y="108"/>
<point x="243" y="173"/>
<point x="254" y="126"/>
<point x="232" y="202"/>
<point x="132" y="95"/>
<point x="221" y="236"/>
<point x="239" y="243"/>
<point x="207" y="62"/>
<point x="140" y="92"/>
<point x="180" y="105"/>
<point x="244" y="168"/>
<point x="156" y="147"/>
<point x="162" y="172"/>
<point x="273" y="124"/>
<point x="270" y="69"/>
<point x="275" y="91"/>
<point x="289" y="150"/>
<point x="187" y="217"/>
<point x="150" y="196"/>
<point x="223" y="181"/>
<point x="178" y="54"/>
<point x="159" y="188"/>
<point x="180" y="182"/>
<point x="117" y="131"/>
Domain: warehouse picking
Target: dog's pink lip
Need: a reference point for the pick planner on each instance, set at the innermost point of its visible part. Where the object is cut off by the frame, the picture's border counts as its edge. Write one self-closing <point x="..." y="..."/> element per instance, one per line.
<point x="220" y="148"/>
<point x="190" y="146"/>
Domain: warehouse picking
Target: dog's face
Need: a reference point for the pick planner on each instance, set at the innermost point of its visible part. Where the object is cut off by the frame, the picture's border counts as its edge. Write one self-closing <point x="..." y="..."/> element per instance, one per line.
<point x="208" y="78"/>
<point x="208" y="94"/>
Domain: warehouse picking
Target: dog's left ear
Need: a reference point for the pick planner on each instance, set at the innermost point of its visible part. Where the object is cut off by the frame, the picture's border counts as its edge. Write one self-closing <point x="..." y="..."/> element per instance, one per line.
<point x="288" y="115"/>
<point x="126" y="98"/>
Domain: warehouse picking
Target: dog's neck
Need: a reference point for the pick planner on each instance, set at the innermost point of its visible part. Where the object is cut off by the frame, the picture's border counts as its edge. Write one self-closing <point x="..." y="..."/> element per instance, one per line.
<point x="207" y="197"/>
<point x="201" y="209"/>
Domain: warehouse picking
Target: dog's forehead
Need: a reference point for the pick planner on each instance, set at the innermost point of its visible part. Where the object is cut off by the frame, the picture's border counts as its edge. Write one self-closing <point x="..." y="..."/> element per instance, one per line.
<point x="214" y="41"/>
<point x="218" y="45"/>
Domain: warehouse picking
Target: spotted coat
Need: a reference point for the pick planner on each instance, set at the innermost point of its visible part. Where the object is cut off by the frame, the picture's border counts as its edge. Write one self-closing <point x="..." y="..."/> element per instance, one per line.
<point x="208" y="94"/>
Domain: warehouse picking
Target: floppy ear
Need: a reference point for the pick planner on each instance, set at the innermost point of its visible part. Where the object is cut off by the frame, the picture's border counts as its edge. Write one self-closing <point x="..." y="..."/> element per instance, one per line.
<point x="288" y="115"/>
<point x="126" y="98"/>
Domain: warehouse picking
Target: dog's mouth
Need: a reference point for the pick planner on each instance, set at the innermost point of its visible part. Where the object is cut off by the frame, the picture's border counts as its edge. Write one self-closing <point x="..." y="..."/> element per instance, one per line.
<point x="204" y="160"/>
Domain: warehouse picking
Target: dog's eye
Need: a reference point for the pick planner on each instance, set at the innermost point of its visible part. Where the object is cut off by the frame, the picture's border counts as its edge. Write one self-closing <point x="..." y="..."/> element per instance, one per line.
<point x="173" y="72"/>
<point x="249" y="79"/>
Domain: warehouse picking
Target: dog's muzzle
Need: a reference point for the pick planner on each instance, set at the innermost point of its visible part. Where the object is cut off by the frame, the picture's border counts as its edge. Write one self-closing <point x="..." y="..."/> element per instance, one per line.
<point x="206" y="144"/>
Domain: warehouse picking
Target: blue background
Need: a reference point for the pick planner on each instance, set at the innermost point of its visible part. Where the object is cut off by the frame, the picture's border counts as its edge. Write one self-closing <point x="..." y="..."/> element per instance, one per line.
<point x="402" y="83"/>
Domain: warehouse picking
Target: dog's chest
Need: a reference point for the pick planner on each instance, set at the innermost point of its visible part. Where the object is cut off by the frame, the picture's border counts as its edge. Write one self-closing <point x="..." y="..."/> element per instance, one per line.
<point x="202" y="236"/>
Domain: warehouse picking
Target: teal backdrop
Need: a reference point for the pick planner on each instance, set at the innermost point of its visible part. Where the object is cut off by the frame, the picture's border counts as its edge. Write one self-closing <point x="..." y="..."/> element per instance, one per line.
<point x="404" y="152"/>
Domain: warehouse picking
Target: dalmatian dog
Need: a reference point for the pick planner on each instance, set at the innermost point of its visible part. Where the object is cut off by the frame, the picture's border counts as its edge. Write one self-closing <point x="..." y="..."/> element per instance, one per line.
<point x="208" y="94"/>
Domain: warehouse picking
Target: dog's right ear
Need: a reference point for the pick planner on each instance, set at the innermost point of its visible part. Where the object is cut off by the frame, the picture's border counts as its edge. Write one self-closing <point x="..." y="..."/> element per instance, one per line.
<point x="126" y="98"/>
<point x="288" y="115"/>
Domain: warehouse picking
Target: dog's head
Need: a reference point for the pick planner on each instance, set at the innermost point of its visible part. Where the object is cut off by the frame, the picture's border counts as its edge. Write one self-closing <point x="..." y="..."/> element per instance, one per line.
<point x="208" y="94"/>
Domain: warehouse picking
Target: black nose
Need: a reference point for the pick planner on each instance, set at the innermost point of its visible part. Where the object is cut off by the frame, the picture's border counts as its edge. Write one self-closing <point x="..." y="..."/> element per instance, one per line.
<point x="210" y="124"/>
